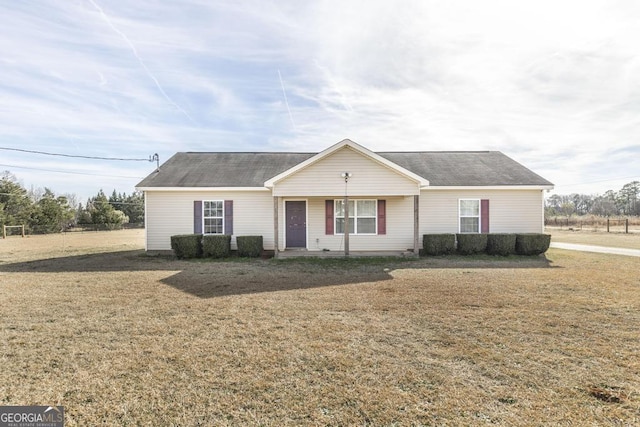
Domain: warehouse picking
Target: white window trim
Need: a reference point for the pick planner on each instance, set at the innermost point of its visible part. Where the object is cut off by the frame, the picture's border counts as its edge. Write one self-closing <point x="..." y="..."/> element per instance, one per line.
<point x="468" y="216"/>
<point x="354" y="216"/>
<point x="215" y="217"/>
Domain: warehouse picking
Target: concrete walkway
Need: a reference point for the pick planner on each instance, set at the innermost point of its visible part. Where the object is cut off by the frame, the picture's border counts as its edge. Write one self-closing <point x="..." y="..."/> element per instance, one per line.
<point x="599" y="249"/>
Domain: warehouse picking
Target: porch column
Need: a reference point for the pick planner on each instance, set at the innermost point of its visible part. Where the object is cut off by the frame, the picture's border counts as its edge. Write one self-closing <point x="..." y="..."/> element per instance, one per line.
<point x="275" y="227"/>
<point x="416" y="225"/>
<point x="346" y="225"/>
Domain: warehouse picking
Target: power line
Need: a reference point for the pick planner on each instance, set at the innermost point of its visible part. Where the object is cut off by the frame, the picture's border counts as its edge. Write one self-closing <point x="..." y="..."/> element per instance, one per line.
<point x="110" y="202"/>
<point x="150" y="159"/>
<point x="596" y="182"/>
<point x="69" y="172"/>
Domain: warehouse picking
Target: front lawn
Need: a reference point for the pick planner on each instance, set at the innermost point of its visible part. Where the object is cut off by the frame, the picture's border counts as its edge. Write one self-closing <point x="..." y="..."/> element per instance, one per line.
<point x="119" y="338"/>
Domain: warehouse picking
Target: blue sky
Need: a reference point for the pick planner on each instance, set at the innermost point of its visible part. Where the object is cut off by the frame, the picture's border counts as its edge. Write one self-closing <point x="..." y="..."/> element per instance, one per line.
<point x="553" y="84"/>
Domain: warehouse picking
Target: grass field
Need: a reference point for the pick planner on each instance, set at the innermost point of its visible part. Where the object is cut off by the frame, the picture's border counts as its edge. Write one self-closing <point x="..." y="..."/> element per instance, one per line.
<point x="586" y="237"/>
<point x="89" y="322"/>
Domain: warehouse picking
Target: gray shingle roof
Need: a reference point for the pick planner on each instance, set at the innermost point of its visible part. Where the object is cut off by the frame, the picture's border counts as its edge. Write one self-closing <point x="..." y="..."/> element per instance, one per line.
<point x="464" y="168"/>
<point x="222" y="169"/>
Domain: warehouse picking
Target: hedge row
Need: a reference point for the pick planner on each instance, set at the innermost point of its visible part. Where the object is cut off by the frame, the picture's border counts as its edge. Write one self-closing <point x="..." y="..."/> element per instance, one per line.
<point x="493" y="243"/>
<point x="216" y="246"/>
<point x="186" y="246"/>
<point x="249" y="246"/>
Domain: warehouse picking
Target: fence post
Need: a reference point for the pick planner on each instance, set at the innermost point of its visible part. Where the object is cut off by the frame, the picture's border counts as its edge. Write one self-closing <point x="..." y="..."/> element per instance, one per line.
<point x="607" y="225"/>
<point x="626" y="225"/>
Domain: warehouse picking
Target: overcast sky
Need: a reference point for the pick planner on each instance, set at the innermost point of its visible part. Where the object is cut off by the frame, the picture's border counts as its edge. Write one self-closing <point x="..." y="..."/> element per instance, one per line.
<point x="553" y="84"/>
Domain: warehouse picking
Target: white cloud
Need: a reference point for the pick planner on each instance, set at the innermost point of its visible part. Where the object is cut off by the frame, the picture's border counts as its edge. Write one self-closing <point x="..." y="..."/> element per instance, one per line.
<point x="556" y="85"/>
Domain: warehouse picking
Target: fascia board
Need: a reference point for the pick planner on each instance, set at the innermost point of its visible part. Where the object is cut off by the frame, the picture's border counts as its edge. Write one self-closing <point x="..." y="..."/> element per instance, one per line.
<point x="203" y="189"/>
<point x="488" y="187"/>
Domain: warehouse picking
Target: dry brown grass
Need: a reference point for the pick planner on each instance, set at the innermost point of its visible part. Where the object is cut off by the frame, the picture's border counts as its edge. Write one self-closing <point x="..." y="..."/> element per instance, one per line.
<point x="119" y="338"/>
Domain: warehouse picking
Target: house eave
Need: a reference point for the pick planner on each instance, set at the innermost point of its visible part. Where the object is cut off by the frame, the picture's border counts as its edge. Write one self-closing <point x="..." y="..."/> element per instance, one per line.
<point x="191" y="189"/>
<point x="422" y="188"/>
<point x="486" y="187"/>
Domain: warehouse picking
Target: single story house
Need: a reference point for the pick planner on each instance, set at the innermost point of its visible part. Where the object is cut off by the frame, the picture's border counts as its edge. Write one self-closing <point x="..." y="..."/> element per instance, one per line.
<point x="299" y="201"/>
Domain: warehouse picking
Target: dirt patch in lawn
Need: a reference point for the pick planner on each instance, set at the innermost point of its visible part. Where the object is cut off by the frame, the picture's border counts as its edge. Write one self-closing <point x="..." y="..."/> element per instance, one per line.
<point x="119" y="338"/>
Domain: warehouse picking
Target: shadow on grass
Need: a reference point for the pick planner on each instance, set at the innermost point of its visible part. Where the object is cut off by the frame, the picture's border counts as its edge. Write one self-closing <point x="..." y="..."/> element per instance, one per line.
<point x="239" y="281"/>
<point x="237" y="276"/>
<point x="134" y="260"/>
<point x="257" y="276"/>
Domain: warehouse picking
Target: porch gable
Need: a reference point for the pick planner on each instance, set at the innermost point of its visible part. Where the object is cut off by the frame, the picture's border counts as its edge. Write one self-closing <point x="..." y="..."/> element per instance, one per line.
<point x="368" y="177"/>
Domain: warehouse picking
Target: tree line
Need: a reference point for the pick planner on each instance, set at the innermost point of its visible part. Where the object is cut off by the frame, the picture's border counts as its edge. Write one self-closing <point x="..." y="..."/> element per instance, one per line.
<point x="623" y="203"/>
<point x="43" y="211"/>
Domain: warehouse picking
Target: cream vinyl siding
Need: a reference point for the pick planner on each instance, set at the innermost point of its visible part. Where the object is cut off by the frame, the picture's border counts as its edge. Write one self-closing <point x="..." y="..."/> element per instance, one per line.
<point x="369" y="178"/>
<point x="171" y="212"/>
<point x="399" y="220"/>
<point x="510" y="211"/>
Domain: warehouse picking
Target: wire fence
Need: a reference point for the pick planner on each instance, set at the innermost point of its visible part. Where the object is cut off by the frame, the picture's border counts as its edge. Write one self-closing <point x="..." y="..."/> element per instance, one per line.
<point x="81" y="228"/>
<point x="26" y="230"/>
<point x="595" y="223"/>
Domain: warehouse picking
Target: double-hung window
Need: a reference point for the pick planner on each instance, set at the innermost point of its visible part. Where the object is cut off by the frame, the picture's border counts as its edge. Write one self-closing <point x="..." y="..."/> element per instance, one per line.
<point x="363" y="216"/>
<point x="469" y="215"/>
<point x="213" y="216"/>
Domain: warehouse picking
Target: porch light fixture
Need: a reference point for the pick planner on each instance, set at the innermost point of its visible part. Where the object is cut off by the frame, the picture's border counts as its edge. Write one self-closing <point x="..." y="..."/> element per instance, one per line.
<point x="346" y="176"/>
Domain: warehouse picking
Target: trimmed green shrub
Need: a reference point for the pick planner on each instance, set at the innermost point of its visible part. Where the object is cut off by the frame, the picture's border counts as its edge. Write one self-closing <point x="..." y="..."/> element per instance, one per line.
<point x="216" y="245"/>
<point x="249" y="246"/>
<point x="187" y="245"/>
<point x="469" y="244"/>
<point x="438" y="244"/>
<point x="532" y="243"/>
<point x="501" y="244"/>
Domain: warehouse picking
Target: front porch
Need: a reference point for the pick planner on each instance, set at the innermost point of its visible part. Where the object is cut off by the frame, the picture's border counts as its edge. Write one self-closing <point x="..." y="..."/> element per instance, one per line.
<point x="346" y="200"/>
<point x="286" y="254"/>
<point x="314" y="226"/>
